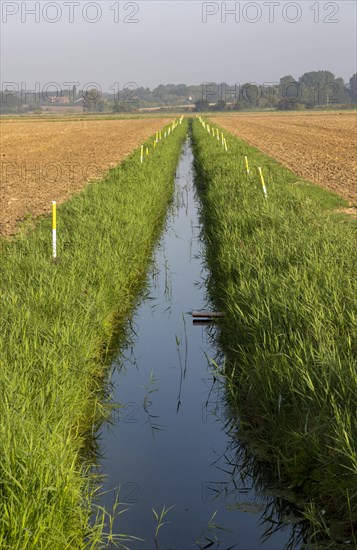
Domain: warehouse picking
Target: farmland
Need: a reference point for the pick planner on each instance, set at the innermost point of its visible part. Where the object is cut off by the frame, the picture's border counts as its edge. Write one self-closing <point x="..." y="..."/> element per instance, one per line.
<point x="321" y="148"/>
<point x="50" y="160"/>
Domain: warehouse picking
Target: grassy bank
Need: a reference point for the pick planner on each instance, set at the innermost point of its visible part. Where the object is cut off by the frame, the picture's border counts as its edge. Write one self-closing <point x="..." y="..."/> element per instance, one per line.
<point x="283" y="270"/>
<point x="58" y="323"/>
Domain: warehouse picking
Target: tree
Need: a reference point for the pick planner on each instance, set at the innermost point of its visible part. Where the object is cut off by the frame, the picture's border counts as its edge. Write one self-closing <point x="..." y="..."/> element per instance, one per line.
<point x="321" y="87"/>
<point x="220" y="106"/>
<point x="342" y="92"/>
<point x="122" y="107"/>
<point x="10" y="103"/>
<point x="201" y="105"/>
<point x="353" y="88"/>
<point x="286" y="80"/>
<point x="285" y="105"/>
<point x="92" y="101"/>
<point x="289" y="93"/>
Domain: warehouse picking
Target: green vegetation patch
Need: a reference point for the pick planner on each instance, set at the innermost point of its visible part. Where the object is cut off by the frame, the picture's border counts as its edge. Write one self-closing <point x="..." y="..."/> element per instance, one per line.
<point x="58" y="322"/>
<point x="283" y="271"/>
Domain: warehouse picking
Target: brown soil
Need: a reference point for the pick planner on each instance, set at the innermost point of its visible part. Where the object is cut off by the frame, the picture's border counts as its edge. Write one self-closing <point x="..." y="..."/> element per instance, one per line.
<point x="321" y="148"/>
<point x="350" y="211"/>
<point x="42" y="161"/>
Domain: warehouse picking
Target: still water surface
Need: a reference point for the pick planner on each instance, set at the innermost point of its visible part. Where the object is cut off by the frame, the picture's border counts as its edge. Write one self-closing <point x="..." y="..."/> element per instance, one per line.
<point x="168" y="445"/>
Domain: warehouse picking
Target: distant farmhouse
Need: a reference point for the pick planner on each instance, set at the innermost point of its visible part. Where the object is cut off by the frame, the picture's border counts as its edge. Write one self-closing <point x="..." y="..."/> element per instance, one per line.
<point x="62" y="103"/>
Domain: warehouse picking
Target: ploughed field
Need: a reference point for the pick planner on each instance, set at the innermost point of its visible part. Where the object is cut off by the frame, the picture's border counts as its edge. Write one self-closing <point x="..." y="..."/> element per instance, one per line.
<point x="320" y="147"/>
<point x="42" y="161"/>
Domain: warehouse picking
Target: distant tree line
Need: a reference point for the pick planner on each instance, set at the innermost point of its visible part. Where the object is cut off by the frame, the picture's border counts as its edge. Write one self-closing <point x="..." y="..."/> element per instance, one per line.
<point x="317" y="89"/>
<point x="312" y="90"/>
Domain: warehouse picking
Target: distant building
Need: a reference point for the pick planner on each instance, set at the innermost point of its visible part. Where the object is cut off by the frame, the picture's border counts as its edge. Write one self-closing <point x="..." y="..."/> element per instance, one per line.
<point x="56" y="99"/>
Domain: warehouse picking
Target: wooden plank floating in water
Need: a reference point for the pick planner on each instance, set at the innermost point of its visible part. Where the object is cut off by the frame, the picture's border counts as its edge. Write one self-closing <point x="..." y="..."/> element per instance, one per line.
<point x="207" y="314"/>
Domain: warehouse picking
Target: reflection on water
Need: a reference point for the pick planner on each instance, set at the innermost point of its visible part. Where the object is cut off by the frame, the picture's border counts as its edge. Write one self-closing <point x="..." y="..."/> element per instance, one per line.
<point x="169" y="447"/>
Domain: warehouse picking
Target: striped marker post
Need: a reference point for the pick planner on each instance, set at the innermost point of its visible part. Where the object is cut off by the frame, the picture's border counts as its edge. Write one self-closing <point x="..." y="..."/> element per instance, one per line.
<point x="147" y="151"/>
<point x="142" y="154"/>
<point x="54" y="230"/>
<point x="262" y="182"/>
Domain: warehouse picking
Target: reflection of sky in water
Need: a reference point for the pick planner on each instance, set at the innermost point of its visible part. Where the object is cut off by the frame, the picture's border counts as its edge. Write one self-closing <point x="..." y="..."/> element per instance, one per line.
<point x="167" y="445"/>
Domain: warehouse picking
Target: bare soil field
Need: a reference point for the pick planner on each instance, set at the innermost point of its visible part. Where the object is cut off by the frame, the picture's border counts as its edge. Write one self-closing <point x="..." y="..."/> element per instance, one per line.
<point x="319" y="147"/>
<point x="42" y="161"/>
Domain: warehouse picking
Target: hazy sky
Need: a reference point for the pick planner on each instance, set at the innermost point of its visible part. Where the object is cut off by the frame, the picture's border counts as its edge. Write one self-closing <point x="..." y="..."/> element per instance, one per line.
<point x="151" y="42"/>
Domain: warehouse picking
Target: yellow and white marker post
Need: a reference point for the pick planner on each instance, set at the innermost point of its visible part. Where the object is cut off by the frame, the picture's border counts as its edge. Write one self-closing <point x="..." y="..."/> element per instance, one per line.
<point x="54" y="230"/>
<point x="147" y="151"/>
<point x="142" y="154"/>
<point x="225" y="145"/>
<point x="262" y="182"/>
<point x="247" y="165"/>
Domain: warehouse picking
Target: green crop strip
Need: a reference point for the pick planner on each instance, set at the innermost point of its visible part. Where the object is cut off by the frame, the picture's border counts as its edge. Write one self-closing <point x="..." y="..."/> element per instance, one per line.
<point x="283" y="271"/>
<point x="58" y="323"/>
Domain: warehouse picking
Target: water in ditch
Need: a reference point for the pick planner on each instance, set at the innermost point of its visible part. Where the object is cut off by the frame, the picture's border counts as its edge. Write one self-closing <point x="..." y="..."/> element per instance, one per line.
<point x="168" y="447"/>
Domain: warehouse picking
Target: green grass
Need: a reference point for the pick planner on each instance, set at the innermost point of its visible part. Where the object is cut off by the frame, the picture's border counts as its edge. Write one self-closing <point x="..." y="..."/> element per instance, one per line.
<point x="283" y="270"/>
<point x="58" y="323"/>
